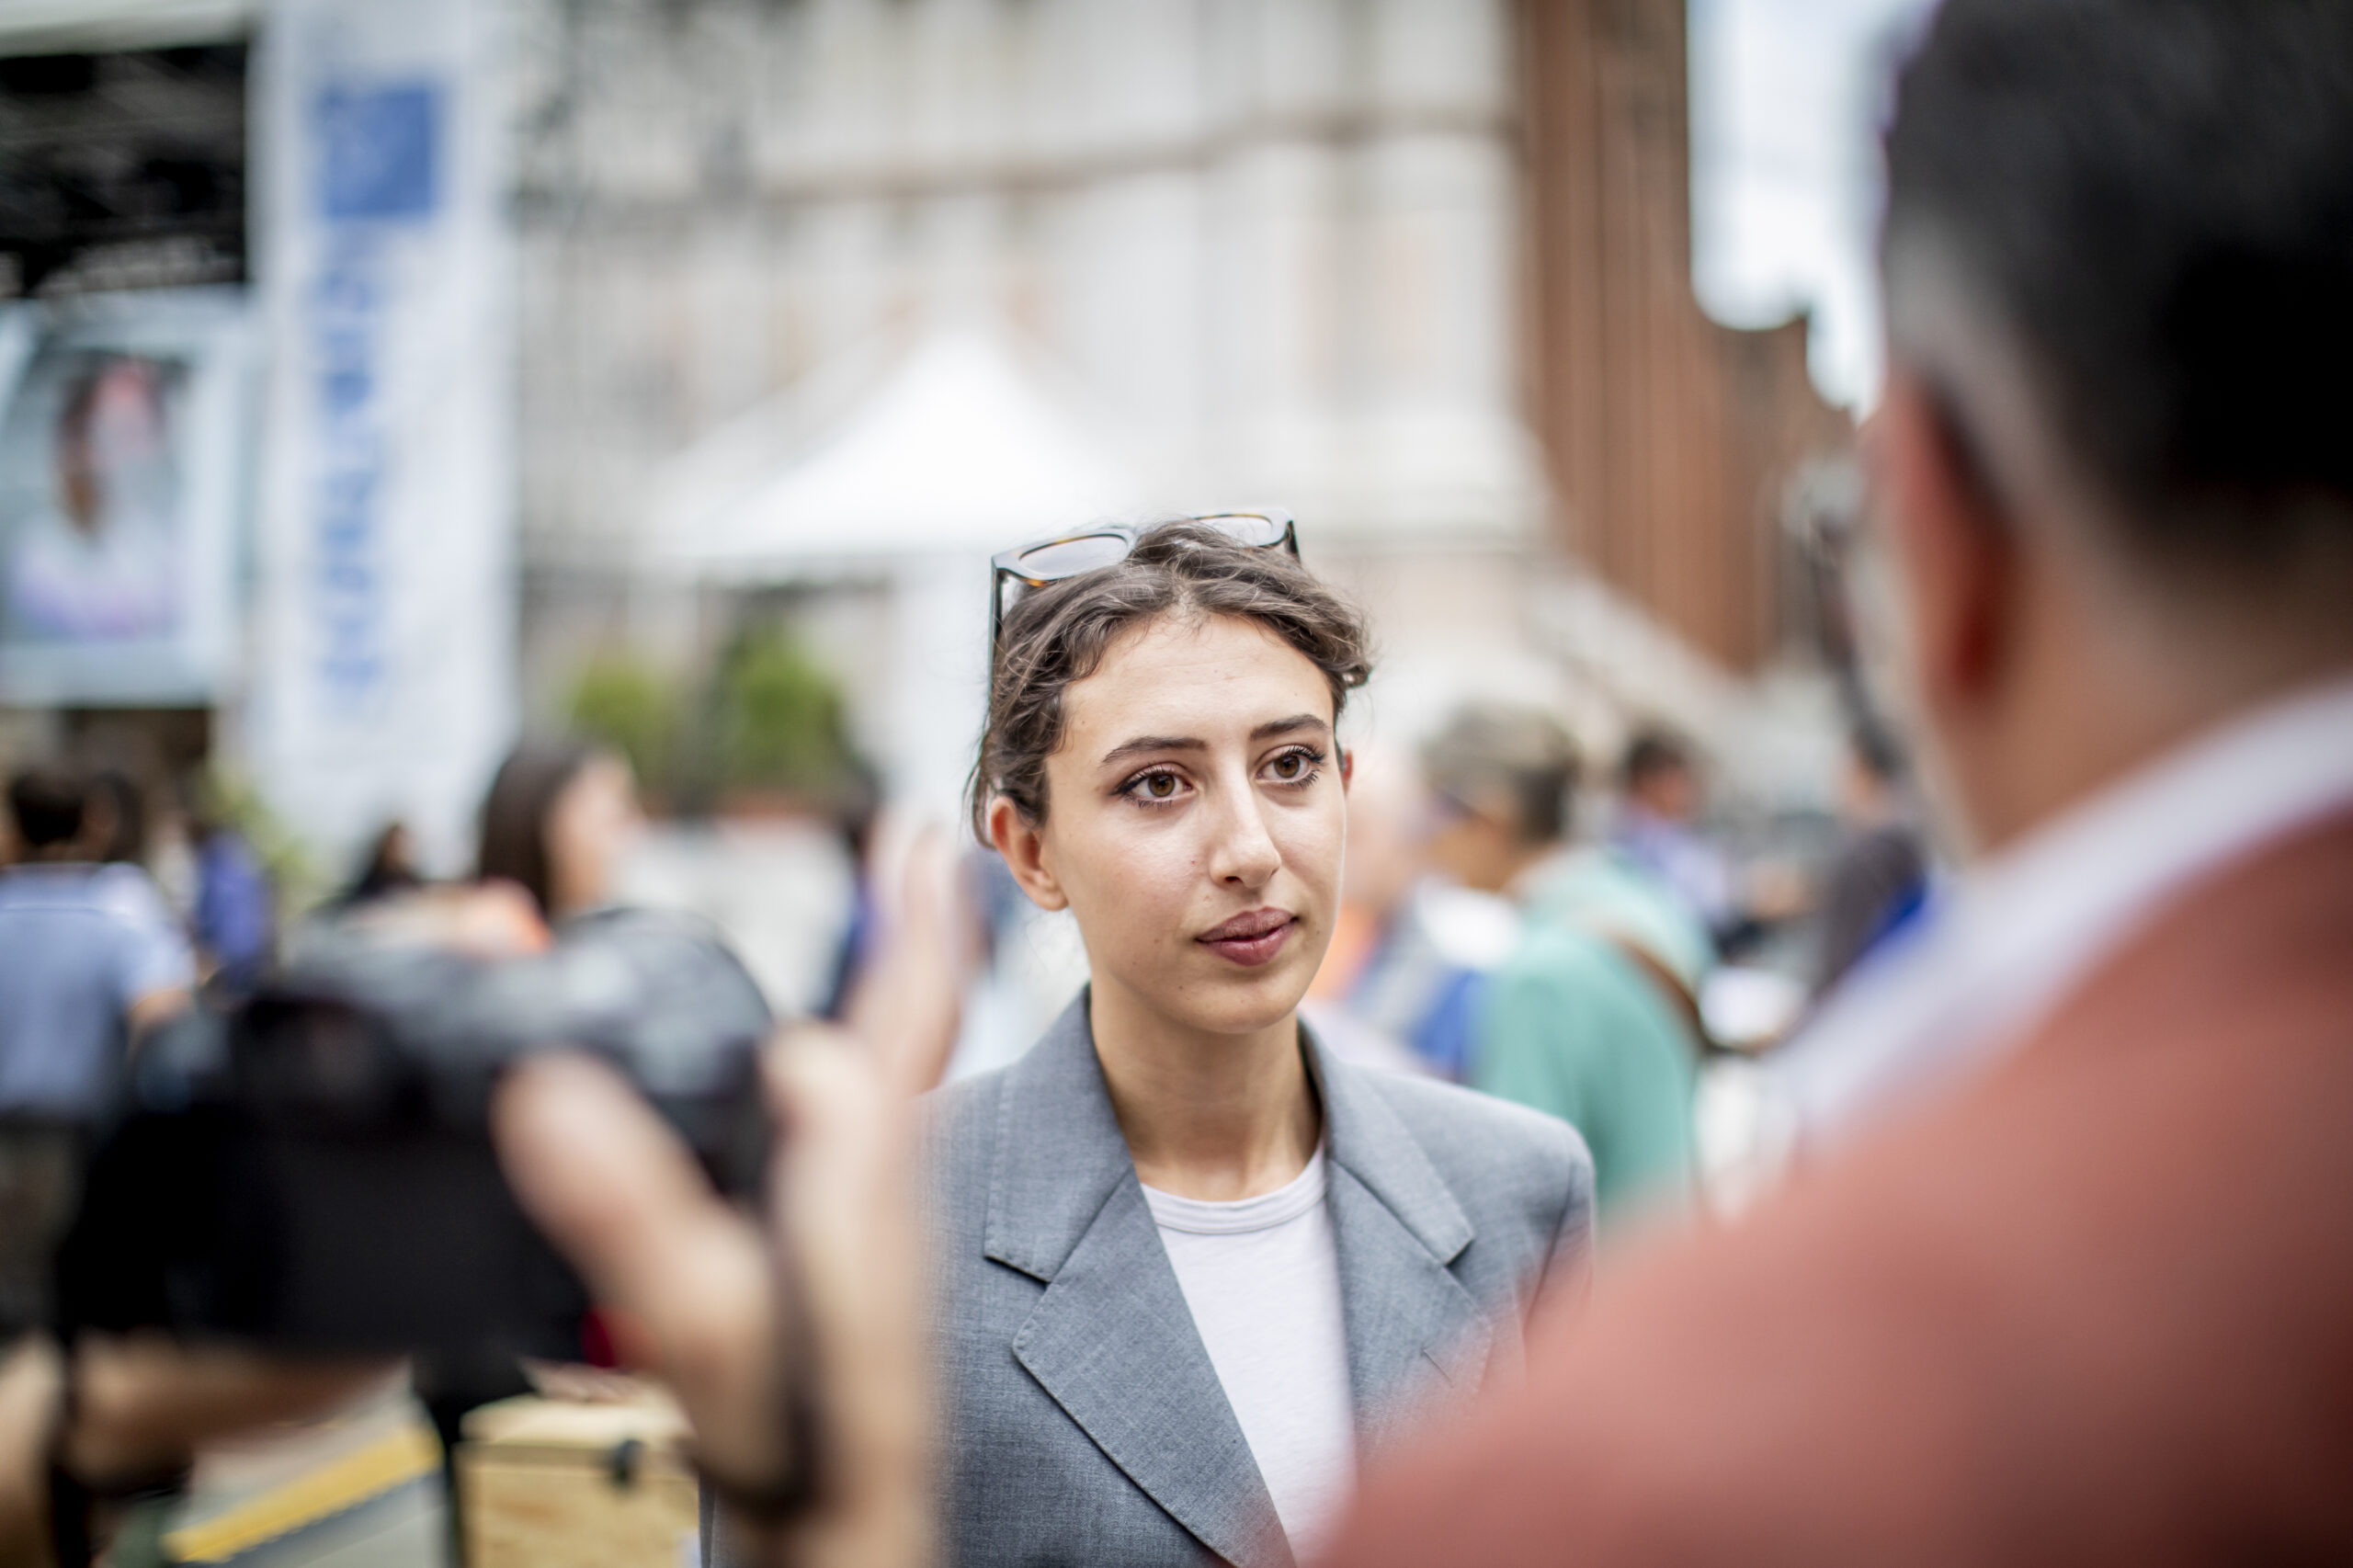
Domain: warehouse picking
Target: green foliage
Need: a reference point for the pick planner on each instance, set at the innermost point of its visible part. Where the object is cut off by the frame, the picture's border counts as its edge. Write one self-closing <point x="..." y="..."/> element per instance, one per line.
<point x="778" y="718"/>
<point x="768" y="720"/>
<point x="628" y="705"/>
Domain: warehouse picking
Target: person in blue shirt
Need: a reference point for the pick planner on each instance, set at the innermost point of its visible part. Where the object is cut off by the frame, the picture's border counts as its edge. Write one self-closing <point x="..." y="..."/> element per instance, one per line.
<point x="84" y="969"/>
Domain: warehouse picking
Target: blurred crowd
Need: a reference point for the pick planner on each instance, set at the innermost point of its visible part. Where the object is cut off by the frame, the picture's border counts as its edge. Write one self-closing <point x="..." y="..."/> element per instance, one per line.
<point x="1509" y="920"/>
<point x="1343" y="1189"/>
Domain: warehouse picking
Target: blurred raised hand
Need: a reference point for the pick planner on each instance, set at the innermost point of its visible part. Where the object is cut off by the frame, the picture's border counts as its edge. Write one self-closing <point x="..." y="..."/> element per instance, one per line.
<point x="696" y="1287"/>
<point x="822" y="1302"/>
<point x="907" y="1005"/>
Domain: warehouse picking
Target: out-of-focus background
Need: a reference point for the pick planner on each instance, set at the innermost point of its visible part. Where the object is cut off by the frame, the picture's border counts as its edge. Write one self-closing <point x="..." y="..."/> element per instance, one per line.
<point x="382" y="381"/>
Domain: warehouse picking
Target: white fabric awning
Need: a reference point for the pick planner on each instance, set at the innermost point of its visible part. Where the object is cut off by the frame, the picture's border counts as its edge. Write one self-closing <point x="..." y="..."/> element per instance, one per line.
<point x="960" y="451"/>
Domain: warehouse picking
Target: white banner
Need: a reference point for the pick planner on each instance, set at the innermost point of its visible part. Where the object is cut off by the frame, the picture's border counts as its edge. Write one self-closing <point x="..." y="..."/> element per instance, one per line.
<point x="384" y="670"/>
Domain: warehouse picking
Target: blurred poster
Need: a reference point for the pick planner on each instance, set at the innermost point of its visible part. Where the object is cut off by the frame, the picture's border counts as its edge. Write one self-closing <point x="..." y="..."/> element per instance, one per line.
<point x="384" y="670"/>
<point x="122" y="444"/>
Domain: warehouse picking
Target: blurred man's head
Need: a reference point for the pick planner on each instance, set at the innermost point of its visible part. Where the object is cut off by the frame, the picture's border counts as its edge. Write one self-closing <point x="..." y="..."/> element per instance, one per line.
<point x="47" y="805"/>
<point x="2115" y="454"/>
<point x="1503" y="776"/>
<point x="1659" y="775"/>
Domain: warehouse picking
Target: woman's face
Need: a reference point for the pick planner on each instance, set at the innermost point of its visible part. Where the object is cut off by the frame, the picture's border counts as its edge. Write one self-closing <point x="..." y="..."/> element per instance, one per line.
<point x="589" y="827"/>
<point x="1194" y="818"/>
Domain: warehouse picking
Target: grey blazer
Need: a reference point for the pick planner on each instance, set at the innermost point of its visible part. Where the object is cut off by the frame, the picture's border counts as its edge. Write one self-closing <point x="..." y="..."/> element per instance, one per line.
<point x="1085" y="1423"/>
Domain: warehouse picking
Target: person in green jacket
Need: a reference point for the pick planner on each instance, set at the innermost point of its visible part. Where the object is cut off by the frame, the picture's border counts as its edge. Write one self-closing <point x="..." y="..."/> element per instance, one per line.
<point x="1593" y="1017"/>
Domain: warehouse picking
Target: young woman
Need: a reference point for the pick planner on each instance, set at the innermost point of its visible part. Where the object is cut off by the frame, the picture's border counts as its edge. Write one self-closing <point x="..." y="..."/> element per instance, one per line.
<point x="1192" y="1264"/>
<point x="557" y="819"/>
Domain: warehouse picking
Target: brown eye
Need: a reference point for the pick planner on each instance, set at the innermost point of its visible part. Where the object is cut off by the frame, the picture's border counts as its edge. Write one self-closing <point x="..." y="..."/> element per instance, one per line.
<point x="1160" y="785"/>
<point x="1289" y="765"/>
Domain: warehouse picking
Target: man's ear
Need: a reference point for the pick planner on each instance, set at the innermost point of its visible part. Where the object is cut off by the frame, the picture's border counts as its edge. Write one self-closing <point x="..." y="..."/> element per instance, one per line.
<point x="1023" y="846"/>
<point x="1953" y="538"/>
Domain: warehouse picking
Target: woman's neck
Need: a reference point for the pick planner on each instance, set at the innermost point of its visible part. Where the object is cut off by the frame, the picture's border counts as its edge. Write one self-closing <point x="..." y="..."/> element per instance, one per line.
<point x="1217" y="1117"/>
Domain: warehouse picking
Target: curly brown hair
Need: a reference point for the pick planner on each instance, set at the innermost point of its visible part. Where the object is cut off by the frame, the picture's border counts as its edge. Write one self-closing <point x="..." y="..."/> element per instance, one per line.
<point x="1058" y="634"/>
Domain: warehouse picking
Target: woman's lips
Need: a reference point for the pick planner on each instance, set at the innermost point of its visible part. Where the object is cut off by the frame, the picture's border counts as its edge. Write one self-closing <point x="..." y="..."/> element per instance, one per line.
<point x="1250" y="940"/>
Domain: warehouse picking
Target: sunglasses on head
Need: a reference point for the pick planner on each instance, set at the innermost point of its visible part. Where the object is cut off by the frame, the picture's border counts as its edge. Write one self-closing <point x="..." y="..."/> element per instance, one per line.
<point x="1017" y="571"/>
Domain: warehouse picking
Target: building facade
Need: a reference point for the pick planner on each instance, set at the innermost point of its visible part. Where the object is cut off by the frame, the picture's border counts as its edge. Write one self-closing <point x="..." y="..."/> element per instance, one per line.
<point x="1671" y="439"/>
<point x="1417" y="271"/>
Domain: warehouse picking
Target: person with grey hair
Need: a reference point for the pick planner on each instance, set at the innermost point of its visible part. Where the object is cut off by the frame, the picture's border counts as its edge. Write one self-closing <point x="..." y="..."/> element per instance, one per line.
<point x="2065" y="1274"/>
<point x="2065" y="1277"/>
<point x="1593" y="1018"/>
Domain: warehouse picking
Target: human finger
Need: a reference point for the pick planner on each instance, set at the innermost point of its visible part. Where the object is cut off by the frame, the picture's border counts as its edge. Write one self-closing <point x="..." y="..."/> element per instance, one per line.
<point x="908" y="1005"/>
<point x="617" y="1192"/>
<point x="843" y="1210"/>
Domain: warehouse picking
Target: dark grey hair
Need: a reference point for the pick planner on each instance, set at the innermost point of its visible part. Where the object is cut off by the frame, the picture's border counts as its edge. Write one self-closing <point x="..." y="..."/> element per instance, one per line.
<point x="2154" y="199"/>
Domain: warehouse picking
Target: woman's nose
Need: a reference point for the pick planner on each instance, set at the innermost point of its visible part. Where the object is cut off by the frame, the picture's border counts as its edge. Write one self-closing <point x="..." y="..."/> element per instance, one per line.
<point x="1245" y="853"/>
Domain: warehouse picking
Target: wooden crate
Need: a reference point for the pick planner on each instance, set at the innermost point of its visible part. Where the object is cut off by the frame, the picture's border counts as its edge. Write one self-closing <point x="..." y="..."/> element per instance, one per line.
<point x="543" y="1484"/>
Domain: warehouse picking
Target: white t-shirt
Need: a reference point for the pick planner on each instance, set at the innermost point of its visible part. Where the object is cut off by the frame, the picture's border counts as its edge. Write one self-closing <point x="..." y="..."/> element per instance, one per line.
<point x="1262" y="1277"/>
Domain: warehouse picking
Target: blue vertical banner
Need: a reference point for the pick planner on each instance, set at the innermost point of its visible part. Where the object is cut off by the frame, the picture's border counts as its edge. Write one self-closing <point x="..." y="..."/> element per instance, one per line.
<point x="384" y="675"/>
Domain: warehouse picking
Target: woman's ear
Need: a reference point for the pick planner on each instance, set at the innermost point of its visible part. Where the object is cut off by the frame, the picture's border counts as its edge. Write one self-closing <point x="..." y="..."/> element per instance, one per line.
<point x="1023" y="846"/>
<point x="1348" y="768"/>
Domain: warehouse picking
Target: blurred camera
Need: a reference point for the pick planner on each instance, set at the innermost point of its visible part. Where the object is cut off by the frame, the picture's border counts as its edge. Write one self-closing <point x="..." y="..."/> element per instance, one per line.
<point x="314" y="1168"/>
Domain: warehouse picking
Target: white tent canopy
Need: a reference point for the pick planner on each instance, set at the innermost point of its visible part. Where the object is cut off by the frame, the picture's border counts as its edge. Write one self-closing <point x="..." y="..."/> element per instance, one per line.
<point x="962" y="451"/>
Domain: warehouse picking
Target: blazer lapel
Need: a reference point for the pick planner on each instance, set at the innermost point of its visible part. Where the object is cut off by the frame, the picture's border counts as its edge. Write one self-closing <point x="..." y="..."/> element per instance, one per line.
<point x="1111" y="1340"/>
<point x="1413" y="1328"/>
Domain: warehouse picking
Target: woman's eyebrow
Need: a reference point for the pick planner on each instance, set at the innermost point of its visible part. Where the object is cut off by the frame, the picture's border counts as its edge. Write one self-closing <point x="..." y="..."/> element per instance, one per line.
<point x="1267" y="730"/>
<point x="1126" y="749"/>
